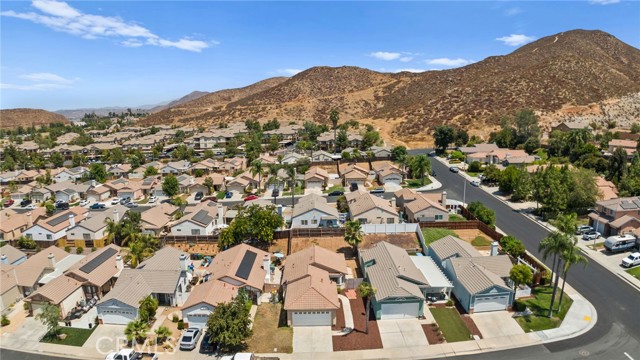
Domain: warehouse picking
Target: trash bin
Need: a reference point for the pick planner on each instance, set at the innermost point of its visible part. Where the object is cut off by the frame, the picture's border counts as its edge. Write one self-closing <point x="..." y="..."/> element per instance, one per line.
<point x="90" y="325"/>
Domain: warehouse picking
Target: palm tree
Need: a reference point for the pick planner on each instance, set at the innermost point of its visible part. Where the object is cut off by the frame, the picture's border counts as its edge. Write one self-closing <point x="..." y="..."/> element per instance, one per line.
<point x="353" y="235"/>
<point x="291" y="174"/>
<point x="554" y="244"/>
<point x="140" y="249"/>
<point x="273" y="172"/>
<point x="571" y="256"/>
<point x="566" y="223"/>
<point x="136" y="330"/>
<point x="366" y="291"/>
<point x="257" y="168"/>
<point x="419" y="166"/>
<point x="162" y="333"/>
<point x="113" y="230"/>
<point x="128" y="233"/>
<point x="355" y="154"/>
<point x="334" y="117"/>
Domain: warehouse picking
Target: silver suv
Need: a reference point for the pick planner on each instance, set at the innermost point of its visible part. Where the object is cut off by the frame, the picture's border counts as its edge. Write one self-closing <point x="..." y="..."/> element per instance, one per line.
<point x="189" y="339"/>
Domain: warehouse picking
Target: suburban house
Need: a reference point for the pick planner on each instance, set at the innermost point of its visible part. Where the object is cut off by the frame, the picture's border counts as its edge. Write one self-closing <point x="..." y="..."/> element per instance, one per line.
<point x="501" y="156"/>
<point x="400" y="285"/>
<point x="131" y="189"/>
<point x="155" y="220"/>
<point x="185" y="181"/>
<point x="11" y="256"/>
<point x="354" y="174"/>
<point x="371" y="209"/>
<point x="606" y="189"/>
<point x="199" y="186"/>
<point x="13" y="224"/>
<point x="629" y="146"/>
<point x="164" y="276"/>
<point x="39" y="194"/>
<point x="92" y="231"/>
<point x="98" y="271"/>
<point x="176" y="167"/>
<point x="423" y="208"/>
<point x="67" y="195"/>
<point x="241" y="182"/>
<point x="63" y="291"/>
<point x="147" y="184"/>
<point x="313" y="211"/>
<point x="240" y="267"/>
<point x="616" y="216"/>
<point x="477" y="148"/>
<point x="381" y="152"/>
<point x="321" y="155"/>
<point x="47" y="231"/>
<point x="389" y="174"/>
<point x="9" y="290"/>
<point x="115" y="185"/>
<point x="292" y="158"/>
<point x="571" y="126"/>
<point x="119" y="170"/>
<point x="234" y="164"/>
<point x="99" y="193"/>
<point x="480" y="283"/>
<point x="316" y="178"/>
<point x="71" y="174"/>
<point x="201" y="219"/>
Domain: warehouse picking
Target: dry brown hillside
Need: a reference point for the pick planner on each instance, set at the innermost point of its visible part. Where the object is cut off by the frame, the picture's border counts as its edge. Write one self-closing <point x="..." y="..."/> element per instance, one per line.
<point x="13" y="118"/>
<point x="577" y="67"/>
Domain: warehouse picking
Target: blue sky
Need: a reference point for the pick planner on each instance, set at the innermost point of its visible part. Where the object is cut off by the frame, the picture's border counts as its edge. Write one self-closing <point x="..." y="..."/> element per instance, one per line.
<point x="61" y="55"/>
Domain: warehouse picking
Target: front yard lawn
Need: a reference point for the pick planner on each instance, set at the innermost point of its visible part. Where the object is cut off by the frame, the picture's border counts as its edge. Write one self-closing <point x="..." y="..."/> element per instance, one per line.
<point x="221" y="194"/>
<point x="451" y="325"/>
<point x="75" y="336"/>
<point x="297" y="191"/>
<point x="456" y="217"/>
<point x="635" y="272"/>
<point x="334" y="188"/>
<point x="270" y="331"/>
<point x="480" y="241"/>
<point x="539" y="305"/>
<point x="416" y="183"/>
<point x="433" y="234"/>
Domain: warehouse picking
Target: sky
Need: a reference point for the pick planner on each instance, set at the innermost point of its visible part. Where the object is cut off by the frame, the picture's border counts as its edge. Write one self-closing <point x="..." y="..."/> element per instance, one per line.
<point x="78" y="54"/>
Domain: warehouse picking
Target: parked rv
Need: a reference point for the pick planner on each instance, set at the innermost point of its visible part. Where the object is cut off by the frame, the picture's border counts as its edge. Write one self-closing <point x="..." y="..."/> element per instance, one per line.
<point x="620" y="243"/>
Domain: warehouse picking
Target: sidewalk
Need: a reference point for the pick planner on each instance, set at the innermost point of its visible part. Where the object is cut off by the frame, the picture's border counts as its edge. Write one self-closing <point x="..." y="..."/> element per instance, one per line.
<point x="435" y="184"/>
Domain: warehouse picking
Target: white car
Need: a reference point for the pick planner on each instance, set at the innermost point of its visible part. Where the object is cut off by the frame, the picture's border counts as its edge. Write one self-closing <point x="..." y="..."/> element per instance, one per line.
<point x="84" y="202"/>
<point x="475" y="183"/>
<point x="30" y="207"/>
<point x="631" y="260"/>
<point x="115" y="201"/>
<point x="152" y="199"/>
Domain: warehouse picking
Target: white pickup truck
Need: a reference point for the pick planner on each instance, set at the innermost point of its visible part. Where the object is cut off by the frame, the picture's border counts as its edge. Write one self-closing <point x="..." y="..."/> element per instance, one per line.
<point x="129" y="354"/>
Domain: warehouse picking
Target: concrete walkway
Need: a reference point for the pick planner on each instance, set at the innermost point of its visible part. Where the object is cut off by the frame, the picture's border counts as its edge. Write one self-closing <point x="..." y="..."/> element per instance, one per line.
<point x="348" y="317"/>
<point x="435" y="184"/>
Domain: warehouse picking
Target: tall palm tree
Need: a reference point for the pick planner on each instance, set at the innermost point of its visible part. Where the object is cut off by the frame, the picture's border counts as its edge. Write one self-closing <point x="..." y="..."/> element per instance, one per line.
<point x="140" y="249"/>
<point x="353" y="235"/>
<point x="419" y="166"/>
<point x="334" y="117"/>
<point x="566" y="223"/>
<point x="571" y="256"/>
<point x="128" y="233"/>
<point x="257" y="168"/>
<point x="291" y="174"/>
<point x="136" y="330"/>
<point x="554" y="244"/>
<point x="366" y="291"/>
<point x="112" y="230"/>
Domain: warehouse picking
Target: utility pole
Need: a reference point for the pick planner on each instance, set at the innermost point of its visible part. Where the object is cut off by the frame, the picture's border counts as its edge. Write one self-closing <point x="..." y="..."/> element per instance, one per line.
<point x="464" y="193"/>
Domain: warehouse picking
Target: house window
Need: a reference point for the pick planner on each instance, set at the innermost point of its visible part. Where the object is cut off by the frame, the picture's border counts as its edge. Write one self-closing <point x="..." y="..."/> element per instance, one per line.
<point x="195" y="231"/>
<point x="390" y="220"/>
<point x="439" y="217"/>
<point x="304" y="222"/>
<point x="314" y="221"/>
<point x="49" y="237"/>
<point x="362" y="220"/>
<point x="86" y="236"/>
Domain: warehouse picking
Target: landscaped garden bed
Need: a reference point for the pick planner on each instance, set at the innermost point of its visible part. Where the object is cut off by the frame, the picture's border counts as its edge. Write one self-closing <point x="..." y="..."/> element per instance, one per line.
<point x="539" y="306"/>
<point x="357" y="339"/>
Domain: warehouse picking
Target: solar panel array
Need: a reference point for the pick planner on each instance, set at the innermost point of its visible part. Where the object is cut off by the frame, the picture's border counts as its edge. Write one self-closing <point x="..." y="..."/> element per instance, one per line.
<point x="246" y="264"/>
<point x="202" y="217"/>
<point x="629" y="205"/>
<point x="59" y="219"/>
<point x="98" y="260"/>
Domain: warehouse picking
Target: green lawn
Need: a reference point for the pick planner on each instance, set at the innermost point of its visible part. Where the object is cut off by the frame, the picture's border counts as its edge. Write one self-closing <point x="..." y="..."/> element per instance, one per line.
<point x="480" y="241"/>
<point x="298" y="191"/>
<point x="221" y="194"/>
<point x="416" y="183"/>
<point x="452" y="327"/>
<point x="433" y="234"/>
<point x="334" y="188"/>
<point x="635" y="272"/>
<point x="75" y="336"/>
<point x="474" y="174"/>
<point x="539" y="306"/>
<point x="456" y="217"/>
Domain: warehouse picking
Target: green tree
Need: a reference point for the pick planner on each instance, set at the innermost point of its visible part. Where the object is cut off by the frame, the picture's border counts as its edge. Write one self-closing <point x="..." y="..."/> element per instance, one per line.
<point x="462" y="137"/>
<point x="113" y="231"/>
<point x="491" y="174"/>
<point x="509" y="178"/>
<point x="26" y="243"/>
<point x="512" y="246"/>
<point x="617" y="165"/>
<point x="147" y="309"/>
<point x="251" y="223"/>
<point x="98" y="172"/>
<point x="482" y="213"/>
<point x="140" y="248"/>
<point x="554" y="245"/>
<point x="78" y="160"/>
<point x="398" y="153"/>
<point x="150" y="171"/>
<point x="136" y="331"/>
<point x="443" y="135"/>
<point x="571" y="256"/>
<point x="342" y="205"/>
<point x="49" y="315"/>
<point x="366" y="291"/>
<point x="353" y="235"/>
<point x="526" y="123"/>
<point x="170" y="185"/>
<point x="520" y="274"/>
<point x="116" y="156"/>
<point x="257" y="168"/>
<point x="420" y="166"/>
<point x="475" y="166"/>
<point x="334" y="117"/>
<point x="369" y="139"/>
<point x="228" y="325"/>
<point x="342" y="140"/>
<point x="162" y="333"/>
<point x="208" y="182"/>
<point x="635" y="128"/>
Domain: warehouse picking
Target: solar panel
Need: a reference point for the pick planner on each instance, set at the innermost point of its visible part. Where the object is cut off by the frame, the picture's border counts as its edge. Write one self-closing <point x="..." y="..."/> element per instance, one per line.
<point x="627" y="205"/>
<point x="58" y="220"/>
<point x="202" y="217"/>
<point x="246" y="264"/>
<point x="98" y="260"/>
<point x="637" y="202"/>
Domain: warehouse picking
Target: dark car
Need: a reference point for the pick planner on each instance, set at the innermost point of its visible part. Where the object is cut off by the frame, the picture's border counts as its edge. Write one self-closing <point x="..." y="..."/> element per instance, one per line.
<point x="206" y="347"/>
<point x="62" y="206"/>
<point x="228" y="195"/>
<point x="353" y="187"/>
<point x="199" y="196"/>
<point x="275" y="193"/>
<point x="25" y="202"/>
<point x="336" y="193"/>
<point x="97" y="206"/>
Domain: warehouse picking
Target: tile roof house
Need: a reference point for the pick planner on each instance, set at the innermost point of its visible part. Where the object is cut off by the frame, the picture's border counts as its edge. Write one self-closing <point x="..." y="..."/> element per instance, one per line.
<point x="176" y="167"/>
<point x="93" y="228"/>
<point x="47" y="231"/>
<point x="240" y="267"/>
<point x="606" y="189"/>
<point x="12" y="256"/>
<point x="424" y="208"/>
<point x="164" y="276"/>
<point x="614" y="216"/>
<point x="629" y="146"/>
<point x="9" y="290"/>
<point x="316" y="178"/>
<point x="370" y="209"/>
<point x="71" y="174"/>
<point x="313" y="211"/>
<point x="201" y="219"/>
<point x="13" y="224"/>
<point x="97" y="271"/>
<point x="480" y="283"/>
<point x="155" y="219"/>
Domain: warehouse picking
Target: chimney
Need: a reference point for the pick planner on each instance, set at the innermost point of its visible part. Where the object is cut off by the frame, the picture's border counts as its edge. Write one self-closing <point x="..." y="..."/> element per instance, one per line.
<point x="72" y="221"/>
<point x="4" y="259"/>
<point x="29" y="219"/>
<point x="52" y="261"/>
<point x="116" y="216"/>
<point x="393" y="202"/>
<point x="494" y="248"/>
<point x="443" y="199"/>
<point x="266" y="265"/>
<point x="93" y="183"/>
<point x="279" y="209"/>
<point x="183" y="262"/>
<point x="220" y="214"/>
<point x="119" y="263"/>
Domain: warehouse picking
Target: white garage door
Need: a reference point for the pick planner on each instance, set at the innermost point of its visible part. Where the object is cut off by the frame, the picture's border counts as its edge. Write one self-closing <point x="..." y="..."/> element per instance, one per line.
<point x="198" y="320"/>
<point x="312" y="318"/>
<point x="117" y="316"/>
<point x="393" y="180"/>
<point x="399" y="311"/>
<point x="126" y="194"/>
<point x="491" y="303"/>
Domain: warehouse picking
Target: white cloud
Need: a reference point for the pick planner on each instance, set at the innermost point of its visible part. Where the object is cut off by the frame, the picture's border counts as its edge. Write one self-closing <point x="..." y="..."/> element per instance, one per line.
<point x="449" y="62"/>
<point x="406" y="58"/>
<point x="604" y="2"/>
<point x="513" y="11"/>
<point x="36" y="87"/>
<point x="60" y="16"/>
<point x="46" y="77"/>
<point x="516" y="39"/>
<point x="288" y="72"/>
<point x="384" y="55"/>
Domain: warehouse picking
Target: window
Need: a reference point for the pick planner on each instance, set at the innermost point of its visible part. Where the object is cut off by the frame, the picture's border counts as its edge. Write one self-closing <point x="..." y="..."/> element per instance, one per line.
<point x="304" y="222"/>
<point x="49" y="237"/>
<point x="86" y="236"/>
<point x="195" y="231"/>
<point x="362" y="220"/>
<point x="390" y="220"/>
<point x="439" y="217"/>
<point x="314" y="221"/>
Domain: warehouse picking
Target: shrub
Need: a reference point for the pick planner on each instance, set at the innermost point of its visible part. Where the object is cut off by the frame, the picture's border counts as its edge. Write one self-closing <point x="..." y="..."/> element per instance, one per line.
<point x="175" y="318"/>
<point x="67" y="249"/>
<point x="79" y="250"/>
<point x="449" y="302"/>
<point x="25" y="306"/>
<point x="180" y="325"/>
<point x="93" y="248"/>
<point x="475" y="166"/>
<point x="519" y="305"/>
<point x="5" y="321"/>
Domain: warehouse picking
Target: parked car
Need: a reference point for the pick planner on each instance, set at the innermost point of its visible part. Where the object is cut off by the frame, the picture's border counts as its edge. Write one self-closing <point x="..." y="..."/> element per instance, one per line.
<point x="583" y="229"/>
<point x="433" y="173"/>
<point x="131" y="204"/>
<point x="378" y="190"/>
<point x="336" y="193"/>
<point x="475" y="183"/>
<point x="152" y="199"/>
<point x="228" y="195"/>
<point x="275" y="193"/>
<point x="84" y="202"/>
<point x="130" y="354"/>
<point x="353" y="187"/>
<point x="432" y="153"/>
<point x="199" y="196"/>
<point x="206" y="347"/>
<point x="239" y="356"/>
<point x="97" y="206"/>
<point x="591" y="235"/>
<point x="25" y="202"/>
<point x="189" y="339"/>
<point x="209" y="198"/>
<point x="454" y="169"/>
<point x="631" y="260"/>
<point x="30" y="207"/>
<point x="125" y="201"/>
<point x="9" y="202"/>
<point x="115" y="201"/>
<point x="251" y="197"/>
<point x="62" y="205"/>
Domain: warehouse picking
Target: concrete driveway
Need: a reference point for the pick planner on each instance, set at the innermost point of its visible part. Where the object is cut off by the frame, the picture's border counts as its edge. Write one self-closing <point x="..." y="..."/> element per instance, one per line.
<point x="496" y="324"/>
<point x="401" y="333"/>
<point x="312" y="339"/>
<point x="106" y="338"/>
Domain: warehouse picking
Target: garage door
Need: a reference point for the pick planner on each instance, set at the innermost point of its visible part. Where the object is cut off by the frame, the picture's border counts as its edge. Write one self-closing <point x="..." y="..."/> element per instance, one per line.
<point x="37" y="308"/>
<point x="198" y="320"/>
<point x="312" y="318"/>
<point x="126" y="194"/>
<point x="491" y="303"/>
<point x="117" y="316"/>
<point x="399" y="311"/>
